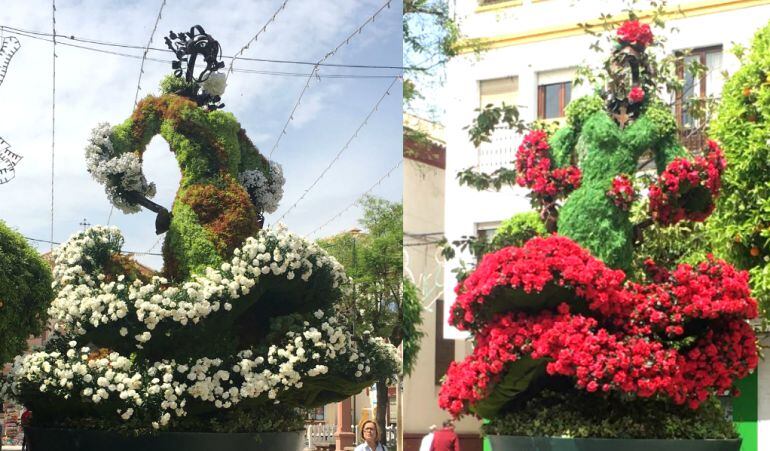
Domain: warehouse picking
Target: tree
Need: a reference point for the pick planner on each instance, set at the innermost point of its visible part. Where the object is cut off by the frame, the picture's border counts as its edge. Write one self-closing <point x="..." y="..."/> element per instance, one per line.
<point x="741" y="225"/>
<point x="379" y="300"/>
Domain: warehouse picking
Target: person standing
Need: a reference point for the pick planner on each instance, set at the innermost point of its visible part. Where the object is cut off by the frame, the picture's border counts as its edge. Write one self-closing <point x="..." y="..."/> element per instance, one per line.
<point x="370" y="432"/>
<point x="445" y="439"/>
<point x="428" y="439"/>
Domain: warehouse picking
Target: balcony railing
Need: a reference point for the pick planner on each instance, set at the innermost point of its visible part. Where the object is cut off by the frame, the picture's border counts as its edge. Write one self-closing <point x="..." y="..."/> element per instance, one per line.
<point x="500" y="152"/>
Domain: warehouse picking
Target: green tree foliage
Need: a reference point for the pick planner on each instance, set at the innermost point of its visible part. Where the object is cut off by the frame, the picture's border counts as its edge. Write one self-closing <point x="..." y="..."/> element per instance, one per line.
<point x="25" y="292"/>
<point x="741" y="224"/>
<point x="379" y="300"/>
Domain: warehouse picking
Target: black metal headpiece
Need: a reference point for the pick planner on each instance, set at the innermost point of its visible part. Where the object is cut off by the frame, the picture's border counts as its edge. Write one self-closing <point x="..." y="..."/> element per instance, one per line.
<point x="187" y="46"/>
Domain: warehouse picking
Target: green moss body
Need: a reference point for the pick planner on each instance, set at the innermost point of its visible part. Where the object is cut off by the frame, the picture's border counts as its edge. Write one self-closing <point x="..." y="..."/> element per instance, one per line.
<point x="603" y="151"/>
<point x="212" y="213"/>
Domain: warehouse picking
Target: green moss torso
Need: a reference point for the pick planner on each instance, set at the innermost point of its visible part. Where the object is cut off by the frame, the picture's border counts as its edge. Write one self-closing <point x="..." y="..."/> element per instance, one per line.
<point x="212" y="212"/>
<point x="602" y="151"/>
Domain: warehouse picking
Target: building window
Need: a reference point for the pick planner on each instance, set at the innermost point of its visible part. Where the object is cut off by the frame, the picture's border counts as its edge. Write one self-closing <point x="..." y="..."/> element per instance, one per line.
<point x="552" y="99"/>
<point x="707" y="84"/>
<point x="445" y="349"/>
<point x="498" y="91"/>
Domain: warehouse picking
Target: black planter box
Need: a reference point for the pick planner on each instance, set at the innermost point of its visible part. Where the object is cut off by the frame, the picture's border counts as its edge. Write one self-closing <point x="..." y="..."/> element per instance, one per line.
<point x="515" y="443"/>
<point x="50" y="439"/>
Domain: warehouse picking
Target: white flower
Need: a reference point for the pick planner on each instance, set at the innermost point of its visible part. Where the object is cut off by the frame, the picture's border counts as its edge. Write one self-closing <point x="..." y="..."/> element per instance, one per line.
<point x="215" y="84"/>
<point x="265" y="191"/>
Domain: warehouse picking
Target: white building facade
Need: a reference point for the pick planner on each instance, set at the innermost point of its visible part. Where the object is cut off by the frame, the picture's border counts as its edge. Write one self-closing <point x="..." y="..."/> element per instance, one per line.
<point x="532" y="48"/>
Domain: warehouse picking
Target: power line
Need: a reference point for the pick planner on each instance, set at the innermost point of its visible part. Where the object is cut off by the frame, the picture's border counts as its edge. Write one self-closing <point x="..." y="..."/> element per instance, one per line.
<point x="146" y="49"/>
<point x="357" y="199"/>
<point x="141" y="72"/>
<point x="40" y="35"/>
<point x="53" y="110"/>
<point x="254" y="39"/>
<point x="337" y="157"/>
<point x="315" y="71"/>
<point x="245" y="71"/>
<point x="58" y="243"/>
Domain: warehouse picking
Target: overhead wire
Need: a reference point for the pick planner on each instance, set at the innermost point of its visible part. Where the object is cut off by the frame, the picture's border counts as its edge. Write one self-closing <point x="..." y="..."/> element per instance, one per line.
<point x="58" y="243"/>
<point x="342" y="150"/>
<point x="141" y="72"/>
<point x="358" y="199"/>
<point x="254" y="38"/>
<point x="315" y="71"/>
<point x="146" y="49"/>
<point x="41" y="35"/>
<point x="246" y="71"/>
<point x="53" y="112"/>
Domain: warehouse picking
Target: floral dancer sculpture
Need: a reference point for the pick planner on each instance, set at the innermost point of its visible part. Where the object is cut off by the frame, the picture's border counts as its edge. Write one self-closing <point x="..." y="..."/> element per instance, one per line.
<point x="241" y="328"/>
<point x="558" y="313"/>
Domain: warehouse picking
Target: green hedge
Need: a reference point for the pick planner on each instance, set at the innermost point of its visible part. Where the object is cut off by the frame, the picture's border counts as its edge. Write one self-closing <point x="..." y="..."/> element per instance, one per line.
<point x="25" y="292"/>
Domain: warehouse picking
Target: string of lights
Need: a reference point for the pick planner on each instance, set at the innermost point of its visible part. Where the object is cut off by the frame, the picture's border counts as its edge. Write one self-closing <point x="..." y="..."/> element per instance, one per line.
<point x="254" y="39"/>
<point x="141" y="72"/>
<point x="313" y="73"/>
<point x="245" y="71"/>
<point x="146" y="49"/>
<point x="155" y="244"/>
<point x="53" y="111"/>
<point x="358" y="199"/>
<point x="70" y="37"/>
<point x="341" y="151"/>
<point x="52" y="243"/>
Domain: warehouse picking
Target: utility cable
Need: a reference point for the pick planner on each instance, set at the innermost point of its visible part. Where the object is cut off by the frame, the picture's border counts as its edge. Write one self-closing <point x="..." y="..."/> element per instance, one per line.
<point x="245" y="71"/>
<point x="341" y="151"/>
<point x="254" y="39"/>
<point x="53" y="111"/>
<point x="358" y="199"/>
<point x="314" y="72"/>
<point x="41" y="35"/>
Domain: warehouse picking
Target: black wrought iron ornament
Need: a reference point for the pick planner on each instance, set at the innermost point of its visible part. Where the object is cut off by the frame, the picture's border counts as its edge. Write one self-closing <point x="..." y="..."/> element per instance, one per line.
<point x="188" y="46"/>
<point x="8" y="159"/>
<point x="628" y="67"/>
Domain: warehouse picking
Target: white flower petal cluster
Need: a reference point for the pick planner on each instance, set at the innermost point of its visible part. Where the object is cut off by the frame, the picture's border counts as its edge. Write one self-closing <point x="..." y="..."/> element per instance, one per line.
<point x="265" y="192"/>
<point x="87" y="299"/>
<point x="215" y="84"/>
<point x="164" y="388"/>
<point x="119" y="173"/>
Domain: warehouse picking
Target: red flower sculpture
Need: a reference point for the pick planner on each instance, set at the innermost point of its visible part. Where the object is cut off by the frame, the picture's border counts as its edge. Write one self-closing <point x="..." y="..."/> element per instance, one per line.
<point x="636" y="95"/>
<point x="687" y="189"/>
<point x="635" y="33"/>
<point x="684" y="337"/>
<point x="533" y="167"/>
<point x="622" y="192"/>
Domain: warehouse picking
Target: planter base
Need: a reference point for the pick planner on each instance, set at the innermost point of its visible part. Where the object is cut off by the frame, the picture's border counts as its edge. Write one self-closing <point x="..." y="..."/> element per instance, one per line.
<point x="50" y="439"/>
<point x="509" y="442"/>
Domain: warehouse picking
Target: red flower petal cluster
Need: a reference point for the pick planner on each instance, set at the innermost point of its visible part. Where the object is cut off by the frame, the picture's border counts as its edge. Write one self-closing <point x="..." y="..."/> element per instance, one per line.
<point x="635" y="33"/>
<point x="687" y="189"/>
<point x="622" y="192"/>
<point x="533" y="167"/>
<point x="683" y="336"/>
<point x="555" y="261"/>
<point x="636" y="95"/>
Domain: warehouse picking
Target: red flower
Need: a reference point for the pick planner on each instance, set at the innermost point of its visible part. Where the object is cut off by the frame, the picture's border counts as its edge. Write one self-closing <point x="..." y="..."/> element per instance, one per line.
<point x="632" y="32"/>
<point x="622" y="192"/>
<point x="687" y="189"/>
<point x="684" y="336"/>
<point x="533" y="168"/>
<point x="636" y="95"/>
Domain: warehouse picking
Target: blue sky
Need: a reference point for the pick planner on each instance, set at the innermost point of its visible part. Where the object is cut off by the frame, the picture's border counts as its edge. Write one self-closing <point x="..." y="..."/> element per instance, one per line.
<point x="95" y="87"/>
